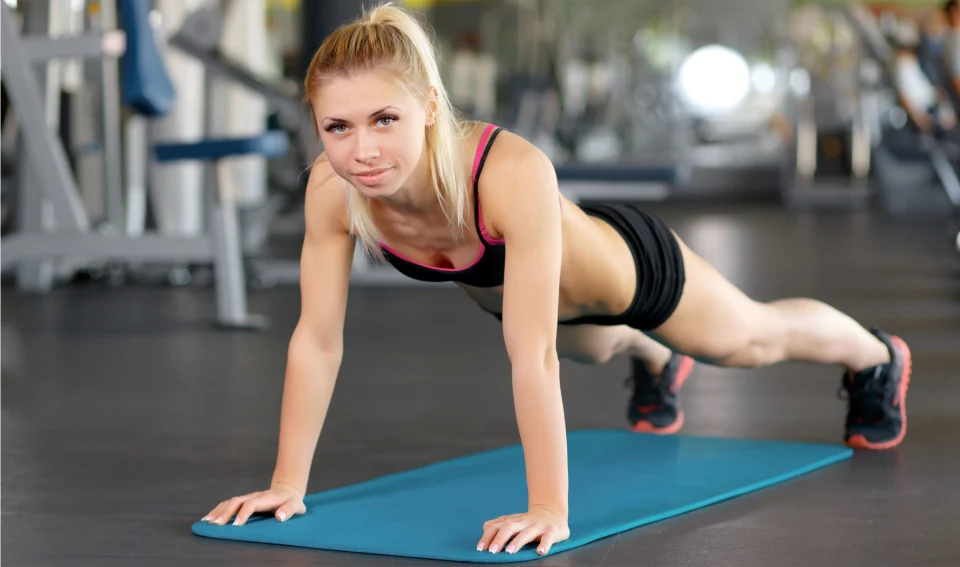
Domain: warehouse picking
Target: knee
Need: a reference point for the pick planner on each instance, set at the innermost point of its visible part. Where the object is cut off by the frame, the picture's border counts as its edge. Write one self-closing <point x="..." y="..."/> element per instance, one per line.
<point x="592" y="354"/>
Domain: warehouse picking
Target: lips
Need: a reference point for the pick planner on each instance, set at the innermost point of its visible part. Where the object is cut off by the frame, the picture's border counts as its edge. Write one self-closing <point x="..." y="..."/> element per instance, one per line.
<point x="372" y="172"/>
<point x="372" y="177"/>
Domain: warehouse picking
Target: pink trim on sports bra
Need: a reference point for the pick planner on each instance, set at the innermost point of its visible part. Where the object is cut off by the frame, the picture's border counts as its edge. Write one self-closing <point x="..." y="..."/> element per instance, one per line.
<point x="476" y="164"/>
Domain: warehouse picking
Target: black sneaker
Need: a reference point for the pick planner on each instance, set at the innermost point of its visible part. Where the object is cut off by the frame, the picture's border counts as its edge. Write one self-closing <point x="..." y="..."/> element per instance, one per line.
<point x="655" y="405"/>
<point x="877" y="413"/>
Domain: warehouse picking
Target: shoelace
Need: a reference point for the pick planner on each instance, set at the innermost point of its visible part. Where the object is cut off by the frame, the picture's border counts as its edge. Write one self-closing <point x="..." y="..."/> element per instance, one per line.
<point x="867" y="397"/>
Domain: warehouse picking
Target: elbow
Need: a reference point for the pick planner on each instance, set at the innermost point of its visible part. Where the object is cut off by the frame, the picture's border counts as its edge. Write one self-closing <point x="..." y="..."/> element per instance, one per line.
<point x="541" y="362"/>
<point x="308" y="342"/>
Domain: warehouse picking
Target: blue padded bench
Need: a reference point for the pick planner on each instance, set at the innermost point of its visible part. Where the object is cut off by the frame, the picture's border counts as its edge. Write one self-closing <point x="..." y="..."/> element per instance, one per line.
<point x="269" y="144"/>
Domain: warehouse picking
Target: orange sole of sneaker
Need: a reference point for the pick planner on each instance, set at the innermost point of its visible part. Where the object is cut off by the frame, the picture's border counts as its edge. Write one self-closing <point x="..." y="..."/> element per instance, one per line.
<point x="647" y="427"/>
<point x="859" y="441"/>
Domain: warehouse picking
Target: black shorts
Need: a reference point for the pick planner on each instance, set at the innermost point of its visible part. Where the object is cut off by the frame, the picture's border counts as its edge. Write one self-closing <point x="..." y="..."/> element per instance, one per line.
<point x="659" y="263"/>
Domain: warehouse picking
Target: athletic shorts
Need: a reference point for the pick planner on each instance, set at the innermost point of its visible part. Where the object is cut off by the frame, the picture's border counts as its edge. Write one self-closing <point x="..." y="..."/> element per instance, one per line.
<point x="659" y="264"/>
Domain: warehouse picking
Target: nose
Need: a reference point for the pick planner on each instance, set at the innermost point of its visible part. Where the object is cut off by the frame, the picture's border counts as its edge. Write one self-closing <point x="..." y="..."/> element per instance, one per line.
<point x="366" y="148"/>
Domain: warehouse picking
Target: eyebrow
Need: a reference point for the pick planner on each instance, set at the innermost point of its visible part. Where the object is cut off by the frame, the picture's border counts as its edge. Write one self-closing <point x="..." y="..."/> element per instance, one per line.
<point x="372" y="114"/>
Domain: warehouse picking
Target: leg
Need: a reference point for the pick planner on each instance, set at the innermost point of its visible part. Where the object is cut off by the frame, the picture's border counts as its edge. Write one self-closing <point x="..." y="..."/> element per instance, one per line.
<point x="230" y="281"/>
<point x="717" y="323"/>
<point x="656" y="373"/>
<point x="595" y="344"/>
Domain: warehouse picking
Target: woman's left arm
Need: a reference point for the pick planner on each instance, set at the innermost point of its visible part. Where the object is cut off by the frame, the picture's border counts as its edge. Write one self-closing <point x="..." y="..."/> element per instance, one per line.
<point x="528" y="216"/>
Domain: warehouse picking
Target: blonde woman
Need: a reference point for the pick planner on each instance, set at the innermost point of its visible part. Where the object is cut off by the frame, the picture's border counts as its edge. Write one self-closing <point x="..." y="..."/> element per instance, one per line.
<point x="444" y="200"/>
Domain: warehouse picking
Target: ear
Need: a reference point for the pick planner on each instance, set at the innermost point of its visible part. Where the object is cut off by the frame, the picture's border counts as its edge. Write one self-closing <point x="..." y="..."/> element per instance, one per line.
<point x="433" y="106"/>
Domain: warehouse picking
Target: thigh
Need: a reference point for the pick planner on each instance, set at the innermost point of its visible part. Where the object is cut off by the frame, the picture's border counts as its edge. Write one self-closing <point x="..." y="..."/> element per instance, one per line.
<point x="589" y="344"/>
<point x="714" y="319"/>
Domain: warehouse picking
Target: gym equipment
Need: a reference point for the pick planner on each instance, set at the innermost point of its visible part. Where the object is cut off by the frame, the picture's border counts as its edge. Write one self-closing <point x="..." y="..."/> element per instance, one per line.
<point x="831" y="162"/>
<point x="198" y="37"/>
<point x="933" y="159"/>
<point x="146" y="86"/>
<point x="619" y="480"/>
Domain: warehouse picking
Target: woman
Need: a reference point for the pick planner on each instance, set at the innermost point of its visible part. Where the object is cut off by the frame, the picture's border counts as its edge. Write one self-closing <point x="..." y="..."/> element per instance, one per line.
<point x="403" y="177"/>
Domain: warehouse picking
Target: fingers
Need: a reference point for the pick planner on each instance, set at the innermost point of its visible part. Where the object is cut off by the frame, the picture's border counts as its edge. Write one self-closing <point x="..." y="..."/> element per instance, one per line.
<point x="263" y="503"/>
<point x="290" y="508"/>
<point x="524" y="537"/>
<point x="546" y="542"/>
<point x="227" y="509"/>
<point x="506" y="532"/>
<point x="242" y="507"/>
<point x="490" y="529"/>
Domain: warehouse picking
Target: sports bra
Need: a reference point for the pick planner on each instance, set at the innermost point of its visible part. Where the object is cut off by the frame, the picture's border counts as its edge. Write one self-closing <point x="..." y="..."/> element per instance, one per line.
<point x="488" y="267"/>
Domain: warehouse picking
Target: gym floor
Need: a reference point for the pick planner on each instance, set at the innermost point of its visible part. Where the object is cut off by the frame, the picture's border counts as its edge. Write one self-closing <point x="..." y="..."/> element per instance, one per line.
<point x="126" y="418"/>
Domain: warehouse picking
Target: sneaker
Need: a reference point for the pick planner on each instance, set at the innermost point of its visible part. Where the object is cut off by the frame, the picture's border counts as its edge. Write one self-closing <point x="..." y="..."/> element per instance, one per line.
<point x="877" y="413"/>
<point x="655" y="405"/>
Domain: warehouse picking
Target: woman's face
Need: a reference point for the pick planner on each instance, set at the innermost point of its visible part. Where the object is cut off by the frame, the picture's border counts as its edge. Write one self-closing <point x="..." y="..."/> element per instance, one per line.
<point x="372" y="130"/>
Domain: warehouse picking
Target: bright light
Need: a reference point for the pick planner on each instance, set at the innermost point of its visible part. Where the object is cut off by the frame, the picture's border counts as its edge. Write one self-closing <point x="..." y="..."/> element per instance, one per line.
<point x="764" y="79"/>
<point x="11" y="3"/>
<point x="714" y="80"/>
<point x="800" y="81"/>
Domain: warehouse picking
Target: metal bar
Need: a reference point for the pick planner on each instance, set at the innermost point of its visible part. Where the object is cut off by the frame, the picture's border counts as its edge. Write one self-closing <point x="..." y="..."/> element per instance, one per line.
<point x="228" y="258"/>
<point x="110" y="112"/>
<point x="288" y="105"/>
<point x="38" y="49"/>
<point x="221" y="66"/>
<point x="46" y="153"/>
<point x="27" y="247"/>
<point x="287" y="272"/>
<point x="33" y="208"/>
<point x="945" y="172"/>
<point x="580" y="190"/>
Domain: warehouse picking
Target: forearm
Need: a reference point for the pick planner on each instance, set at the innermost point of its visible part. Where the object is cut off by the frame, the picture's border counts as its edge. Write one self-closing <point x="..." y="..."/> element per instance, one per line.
<point x="540" y="418"/>
<point x="307" y="391"/>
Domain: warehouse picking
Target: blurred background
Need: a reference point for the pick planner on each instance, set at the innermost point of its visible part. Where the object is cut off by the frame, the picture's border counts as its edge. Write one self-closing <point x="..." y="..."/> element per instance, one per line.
<point x="844" y="106"/>
<point x="155" y="155"/>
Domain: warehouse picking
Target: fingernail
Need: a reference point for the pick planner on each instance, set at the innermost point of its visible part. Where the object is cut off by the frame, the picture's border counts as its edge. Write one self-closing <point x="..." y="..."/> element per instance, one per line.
<point x="219" y="520"/>
<point x="510" y="549"/>
<point x="282" y="516"/>
<point x="205" y="519"/>
<point x="493" y="548"/>
<point x="541" y="551"/>
<point x="480" y="547"/>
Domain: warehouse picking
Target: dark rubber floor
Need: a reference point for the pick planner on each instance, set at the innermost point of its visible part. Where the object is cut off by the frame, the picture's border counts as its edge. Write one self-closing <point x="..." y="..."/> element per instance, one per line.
<point x="126" y="417"/>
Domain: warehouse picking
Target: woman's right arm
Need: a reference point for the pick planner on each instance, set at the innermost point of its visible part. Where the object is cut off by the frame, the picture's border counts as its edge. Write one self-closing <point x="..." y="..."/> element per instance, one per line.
<point x="316" y="347"/>
<point x="314" y="353"/>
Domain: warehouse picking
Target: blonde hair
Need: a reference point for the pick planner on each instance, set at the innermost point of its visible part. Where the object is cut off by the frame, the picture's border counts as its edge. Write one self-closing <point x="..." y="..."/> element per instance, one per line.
<point x="390" y="37"/>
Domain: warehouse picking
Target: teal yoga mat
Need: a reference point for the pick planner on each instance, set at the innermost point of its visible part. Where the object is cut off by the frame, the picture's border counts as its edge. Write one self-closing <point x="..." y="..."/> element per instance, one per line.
<point x="618" y="481"/>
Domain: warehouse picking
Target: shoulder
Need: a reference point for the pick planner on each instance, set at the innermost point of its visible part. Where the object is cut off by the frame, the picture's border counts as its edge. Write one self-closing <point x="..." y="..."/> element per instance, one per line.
<point x="512" y="161"/>
<point x="325" y="202"/>
<point x="517" y="178"/>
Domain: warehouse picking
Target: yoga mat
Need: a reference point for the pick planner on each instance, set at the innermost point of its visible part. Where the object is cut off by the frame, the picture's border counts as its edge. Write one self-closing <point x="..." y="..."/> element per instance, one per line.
<point x="619" y="480"/>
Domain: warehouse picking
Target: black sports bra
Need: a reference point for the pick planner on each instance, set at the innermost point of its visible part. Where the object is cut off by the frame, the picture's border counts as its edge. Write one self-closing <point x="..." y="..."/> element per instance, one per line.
<point x="488" y="267"/>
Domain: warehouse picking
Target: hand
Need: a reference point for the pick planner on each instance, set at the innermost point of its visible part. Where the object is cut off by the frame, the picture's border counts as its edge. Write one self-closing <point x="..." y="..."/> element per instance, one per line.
<point x="517" y="530"/>
<point x="284" y="499"/>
